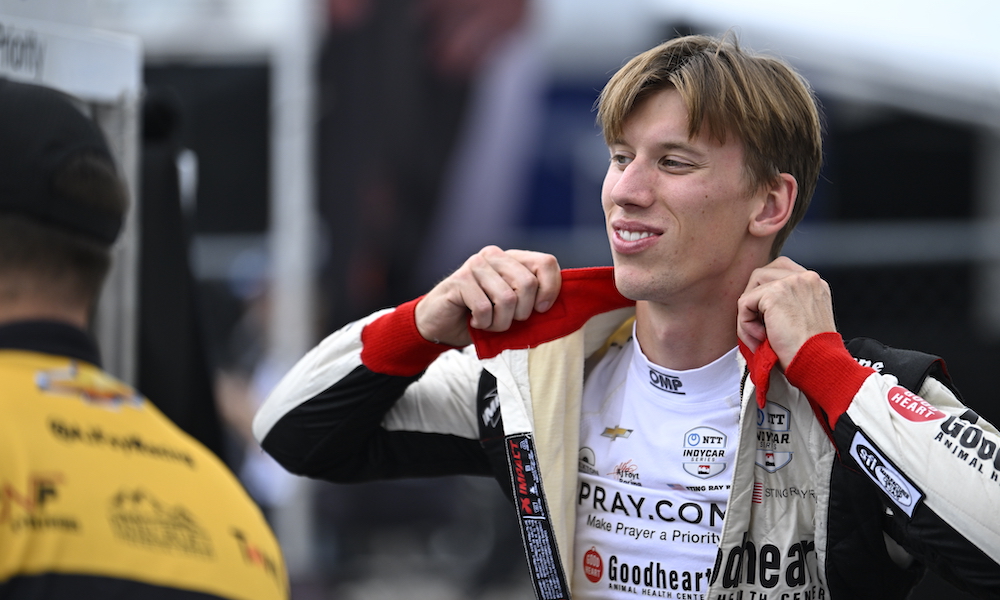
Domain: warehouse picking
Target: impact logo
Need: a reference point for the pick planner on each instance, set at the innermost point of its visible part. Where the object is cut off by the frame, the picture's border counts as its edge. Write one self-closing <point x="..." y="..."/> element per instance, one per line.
<point x="774" y="425"/>
<point x="91" y="385"/>
<point x="667" y="383"/>
<point x="911" y="406"/>
<point x="627" y="472"/>
<point x="27" y="510"/>
<point x="521" y="458"/>
<point x="593" y="565"/>
<point x="139" y="518"/>
<point x="903" y="494"/>
<point x="588" y="461"/>
<point x="704" y="452"/>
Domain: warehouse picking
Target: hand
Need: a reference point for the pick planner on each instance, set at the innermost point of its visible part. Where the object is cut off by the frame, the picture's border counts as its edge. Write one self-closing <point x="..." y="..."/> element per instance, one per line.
<point x="496" y="287"/>
<point x="785" y="304"/>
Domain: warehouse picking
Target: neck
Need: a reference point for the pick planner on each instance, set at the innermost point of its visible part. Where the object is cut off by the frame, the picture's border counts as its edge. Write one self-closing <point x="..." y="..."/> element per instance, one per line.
<point x="691" y="329"/>
<point x="684" y="339"/>
<point x="40" y="307"/>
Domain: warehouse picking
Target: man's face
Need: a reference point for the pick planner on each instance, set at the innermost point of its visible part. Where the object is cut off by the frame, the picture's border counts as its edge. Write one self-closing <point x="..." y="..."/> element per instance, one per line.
<point x="677" y="209"/>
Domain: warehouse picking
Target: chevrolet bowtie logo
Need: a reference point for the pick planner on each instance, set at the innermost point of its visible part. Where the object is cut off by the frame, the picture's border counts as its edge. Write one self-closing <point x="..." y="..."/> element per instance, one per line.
<point x="616" y="432"/>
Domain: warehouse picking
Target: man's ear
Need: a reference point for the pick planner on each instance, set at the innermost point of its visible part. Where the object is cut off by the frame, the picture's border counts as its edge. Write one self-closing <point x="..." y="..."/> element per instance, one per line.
<point x="774" y="206"/>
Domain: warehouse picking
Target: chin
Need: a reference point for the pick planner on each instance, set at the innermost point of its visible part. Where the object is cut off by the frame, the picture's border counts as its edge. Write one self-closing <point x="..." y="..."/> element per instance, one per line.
<point x="632" y="285"/>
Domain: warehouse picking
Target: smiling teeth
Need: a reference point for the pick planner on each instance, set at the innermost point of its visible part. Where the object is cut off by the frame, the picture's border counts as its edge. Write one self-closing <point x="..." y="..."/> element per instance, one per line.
<point x="631" y="236"/>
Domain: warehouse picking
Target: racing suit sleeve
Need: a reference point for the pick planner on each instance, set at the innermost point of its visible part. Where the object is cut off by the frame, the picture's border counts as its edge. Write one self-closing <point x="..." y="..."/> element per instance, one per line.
<point x="375" y="400"/>
<point x="934" y="462"/>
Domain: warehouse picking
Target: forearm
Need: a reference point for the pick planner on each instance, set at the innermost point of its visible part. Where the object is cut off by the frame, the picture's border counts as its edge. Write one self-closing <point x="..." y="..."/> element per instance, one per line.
<point x="934" y="463"/>
<point x="360" y="405"/>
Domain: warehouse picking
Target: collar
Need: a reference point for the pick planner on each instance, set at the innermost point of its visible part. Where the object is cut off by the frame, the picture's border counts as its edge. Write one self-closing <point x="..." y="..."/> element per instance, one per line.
<point x="50" y="337"/>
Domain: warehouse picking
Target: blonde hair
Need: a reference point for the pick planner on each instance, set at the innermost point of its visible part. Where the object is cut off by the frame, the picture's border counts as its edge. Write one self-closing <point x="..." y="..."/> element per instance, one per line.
<point x="758" y="99"/>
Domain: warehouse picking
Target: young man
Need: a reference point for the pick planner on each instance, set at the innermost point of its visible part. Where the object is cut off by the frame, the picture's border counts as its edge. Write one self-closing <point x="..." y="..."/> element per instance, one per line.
<point x="651" y="455"/>
<point x="102" y="496"/>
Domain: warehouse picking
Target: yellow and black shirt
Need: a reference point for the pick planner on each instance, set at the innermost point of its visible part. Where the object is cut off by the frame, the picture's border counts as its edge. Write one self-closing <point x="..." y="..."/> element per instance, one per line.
<point x="103" y="496"/>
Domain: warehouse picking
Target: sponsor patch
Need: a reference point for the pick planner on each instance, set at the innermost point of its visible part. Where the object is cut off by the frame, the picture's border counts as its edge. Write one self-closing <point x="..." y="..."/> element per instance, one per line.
<point x="627" y="472"/>
<point x="774" y="426"/>
<point x="971" y="445"/>
<point x="548" y="577"/>
<point x="255" y="556"/>
<point x="91" y="386"/>
<point x="616" y="432"/>
<point x="24" y="506"/>
<point x="588" y="461"/>
<point x="903" y="493"/>
<point x="139" y="518"/>
<point x="593" y="565"/>
<point x="666" y="383"/>
<point x="911" y="406"/>
<point x="704" y="452"/>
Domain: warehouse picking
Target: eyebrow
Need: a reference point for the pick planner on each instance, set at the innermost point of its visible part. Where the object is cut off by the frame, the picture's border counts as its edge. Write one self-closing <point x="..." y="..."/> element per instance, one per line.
<point x="666" y="147"/>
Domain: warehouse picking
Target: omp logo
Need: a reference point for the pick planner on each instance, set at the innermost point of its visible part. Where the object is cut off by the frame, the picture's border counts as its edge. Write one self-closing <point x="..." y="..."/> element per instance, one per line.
<point x="667" y="383"/>
<point x="911" y="406"/>
<point x="903" y="494"/>
<point x="26" y="510"/>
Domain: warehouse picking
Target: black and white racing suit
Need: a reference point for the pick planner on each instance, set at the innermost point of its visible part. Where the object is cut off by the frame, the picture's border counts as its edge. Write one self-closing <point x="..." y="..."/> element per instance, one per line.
<point x="915" y="475"/>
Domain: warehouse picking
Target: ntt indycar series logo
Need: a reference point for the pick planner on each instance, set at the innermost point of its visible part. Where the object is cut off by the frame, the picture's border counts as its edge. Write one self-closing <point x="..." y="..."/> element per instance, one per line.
<point x="774" y="436"/>
<point x="704" y="452"/>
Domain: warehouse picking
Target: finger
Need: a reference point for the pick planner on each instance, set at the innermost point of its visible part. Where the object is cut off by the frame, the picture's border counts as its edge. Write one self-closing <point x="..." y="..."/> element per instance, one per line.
<point x="779" y="268"/>
<point x="547" y="276"/>
<point x="750" y="326"/>
<point x="510" y="285"/>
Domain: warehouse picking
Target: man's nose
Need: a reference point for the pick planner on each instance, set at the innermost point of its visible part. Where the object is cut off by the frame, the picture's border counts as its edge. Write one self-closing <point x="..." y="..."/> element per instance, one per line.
<point x="634" y="185"/>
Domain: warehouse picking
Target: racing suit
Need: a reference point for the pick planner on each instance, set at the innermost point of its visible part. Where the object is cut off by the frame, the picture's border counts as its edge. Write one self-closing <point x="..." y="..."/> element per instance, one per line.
<point x="103" y="497"/>
<point x="845" y="485"/>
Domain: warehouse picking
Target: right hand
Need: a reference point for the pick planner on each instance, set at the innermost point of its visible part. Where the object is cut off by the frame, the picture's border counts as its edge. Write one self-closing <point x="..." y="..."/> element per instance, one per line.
<point x="496" y="286"/>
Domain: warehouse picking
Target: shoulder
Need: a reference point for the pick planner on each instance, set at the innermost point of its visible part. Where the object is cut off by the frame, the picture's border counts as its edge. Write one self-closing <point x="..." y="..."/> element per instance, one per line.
<point x="910" y="367"/>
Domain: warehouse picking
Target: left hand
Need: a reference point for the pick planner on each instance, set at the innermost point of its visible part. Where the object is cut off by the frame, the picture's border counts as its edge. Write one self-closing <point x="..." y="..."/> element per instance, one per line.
<point x="785" y="304"/>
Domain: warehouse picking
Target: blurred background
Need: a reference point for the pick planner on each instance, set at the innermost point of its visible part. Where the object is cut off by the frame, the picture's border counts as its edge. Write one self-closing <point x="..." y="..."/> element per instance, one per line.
<point x="297" y="164"/>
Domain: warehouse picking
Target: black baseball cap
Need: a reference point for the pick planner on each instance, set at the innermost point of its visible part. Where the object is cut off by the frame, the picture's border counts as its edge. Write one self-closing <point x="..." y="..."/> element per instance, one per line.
<point x="41" y="129"/>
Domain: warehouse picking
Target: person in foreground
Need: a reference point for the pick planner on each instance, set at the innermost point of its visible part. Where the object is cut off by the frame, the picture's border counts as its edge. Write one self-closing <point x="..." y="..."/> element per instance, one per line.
<point x="102" y="496"/>
<point x="688" y="423"/>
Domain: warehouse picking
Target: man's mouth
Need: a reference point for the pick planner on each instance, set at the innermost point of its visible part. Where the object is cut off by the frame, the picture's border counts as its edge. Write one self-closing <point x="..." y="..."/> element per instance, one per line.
<point x="632" y="236"/>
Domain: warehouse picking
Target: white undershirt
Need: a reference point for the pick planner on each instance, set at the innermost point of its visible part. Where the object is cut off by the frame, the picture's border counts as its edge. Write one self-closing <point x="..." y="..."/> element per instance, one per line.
<point x="656" y="447"/>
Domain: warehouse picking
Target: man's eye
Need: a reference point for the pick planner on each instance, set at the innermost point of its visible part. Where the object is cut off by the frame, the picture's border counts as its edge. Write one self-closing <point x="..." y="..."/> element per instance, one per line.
<point x="620" y="159"/>
<point x="675" y="164"/>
